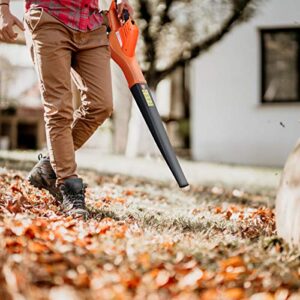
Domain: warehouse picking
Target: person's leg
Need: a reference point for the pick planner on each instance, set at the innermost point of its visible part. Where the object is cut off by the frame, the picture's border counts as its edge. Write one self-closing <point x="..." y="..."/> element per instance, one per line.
<point x="52" y="53"/>
<point x="52" y="46"/>
<point x="92" y="75"/>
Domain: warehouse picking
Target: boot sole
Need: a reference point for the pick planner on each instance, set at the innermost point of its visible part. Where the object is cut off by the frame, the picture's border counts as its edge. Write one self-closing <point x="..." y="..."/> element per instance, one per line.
<point x="79" y="213"/>
<point x="40" y="185"/>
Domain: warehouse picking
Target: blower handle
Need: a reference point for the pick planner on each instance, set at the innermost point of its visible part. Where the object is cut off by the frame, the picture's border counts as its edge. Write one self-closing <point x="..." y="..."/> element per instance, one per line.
<point x="125" y="13"/>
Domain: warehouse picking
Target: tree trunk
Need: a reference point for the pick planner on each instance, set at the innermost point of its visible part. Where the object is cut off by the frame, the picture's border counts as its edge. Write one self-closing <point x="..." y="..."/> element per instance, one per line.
<point x="122" y="107"/>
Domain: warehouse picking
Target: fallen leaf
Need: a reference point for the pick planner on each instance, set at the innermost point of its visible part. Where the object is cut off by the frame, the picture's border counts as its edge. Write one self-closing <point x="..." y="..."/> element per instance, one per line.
<point x="162" y="278"/>
<point x="191" y="278"/>
<point x="262" y="296"/>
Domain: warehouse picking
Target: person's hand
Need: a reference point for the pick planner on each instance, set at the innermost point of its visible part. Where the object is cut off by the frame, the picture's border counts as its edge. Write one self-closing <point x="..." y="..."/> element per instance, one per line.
<point x="7" y="21"/>
<point x="124" y="5"/>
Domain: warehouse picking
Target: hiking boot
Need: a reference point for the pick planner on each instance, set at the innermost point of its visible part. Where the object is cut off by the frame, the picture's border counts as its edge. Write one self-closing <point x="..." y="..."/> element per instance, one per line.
<point x="42" y="176"/>
<point x="73" y="192"/>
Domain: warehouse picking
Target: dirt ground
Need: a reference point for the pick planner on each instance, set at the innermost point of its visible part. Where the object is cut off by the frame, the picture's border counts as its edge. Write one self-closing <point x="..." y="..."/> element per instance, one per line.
<point x="143" y="240"/>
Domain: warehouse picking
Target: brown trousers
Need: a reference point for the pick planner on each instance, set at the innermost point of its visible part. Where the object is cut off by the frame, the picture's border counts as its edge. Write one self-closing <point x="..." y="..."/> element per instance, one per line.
<point x="60" y="53"/>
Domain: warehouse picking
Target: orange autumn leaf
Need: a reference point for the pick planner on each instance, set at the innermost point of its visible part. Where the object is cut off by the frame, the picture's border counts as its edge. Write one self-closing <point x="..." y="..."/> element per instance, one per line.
<point x="145" y="260"/>
<point x="210" y="294"/>
<point x="168" y="245"/>
<point x="98" y="204"/>
<point x="48" y="259"/>
<point x="208" y="275"/>
<point x="235" y="261"/>
<point x="218" y="210"/>
<point x="119" y="235"/>
<point x="81" y="242"/>
<point x="37" y="247"/>
<point x="57" y="268"/>
<point x="131" y="281"/>
<point x="129" y="192"/>
<point x="120" y="231"/>
<point x="233" y="294"/>
<point x="234" y="208"/>
<point x="70" y="224"/>
<point x="69" y="218"/>
<point x="82" y="280"/>
<point x="229" y="276"/>
<point x="119" y="200"/>
<point x="42" y="223"/>
<point x="241" y="216"/>
<point x="154" y="272"/>
<point x="104" y="228"/>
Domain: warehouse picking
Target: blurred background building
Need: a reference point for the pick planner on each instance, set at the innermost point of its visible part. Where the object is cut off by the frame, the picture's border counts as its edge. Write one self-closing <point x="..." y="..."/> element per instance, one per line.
<point x="237" y="102"/>
<point x="246" y="90"/>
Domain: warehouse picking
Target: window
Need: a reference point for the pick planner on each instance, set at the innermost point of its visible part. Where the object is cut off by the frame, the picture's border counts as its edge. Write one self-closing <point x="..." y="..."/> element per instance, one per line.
<point x="280" y="58"/>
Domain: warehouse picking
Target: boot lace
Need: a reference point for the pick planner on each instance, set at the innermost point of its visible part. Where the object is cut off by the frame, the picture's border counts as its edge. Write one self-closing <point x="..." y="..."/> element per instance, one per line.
<point x="75" y="200"/>
<point x="78" y="201"/>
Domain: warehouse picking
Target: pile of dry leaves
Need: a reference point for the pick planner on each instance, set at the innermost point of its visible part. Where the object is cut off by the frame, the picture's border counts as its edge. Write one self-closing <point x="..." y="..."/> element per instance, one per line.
<point x="142" y="241"/>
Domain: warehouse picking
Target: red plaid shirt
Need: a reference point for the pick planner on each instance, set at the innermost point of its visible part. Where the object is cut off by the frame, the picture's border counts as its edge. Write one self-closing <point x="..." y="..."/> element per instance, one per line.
<point x="82" y="15"/>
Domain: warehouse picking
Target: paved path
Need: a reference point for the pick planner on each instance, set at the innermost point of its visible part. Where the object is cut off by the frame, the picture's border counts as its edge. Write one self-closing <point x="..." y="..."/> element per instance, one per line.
<point x="249" y="178"/>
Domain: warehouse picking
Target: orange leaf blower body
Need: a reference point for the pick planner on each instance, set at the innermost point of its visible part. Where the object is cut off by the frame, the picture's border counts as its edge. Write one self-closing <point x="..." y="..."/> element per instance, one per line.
<point x="123" y="38"/>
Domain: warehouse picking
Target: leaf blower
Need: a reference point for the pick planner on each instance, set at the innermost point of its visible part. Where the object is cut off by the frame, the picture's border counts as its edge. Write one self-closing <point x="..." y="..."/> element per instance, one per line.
<point x="123" y="37"/>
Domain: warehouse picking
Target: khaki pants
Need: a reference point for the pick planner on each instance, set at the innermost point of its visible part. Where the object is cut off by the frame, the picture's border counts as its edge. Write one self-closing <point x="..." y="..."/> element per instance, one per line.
<point x="57" y="52"/>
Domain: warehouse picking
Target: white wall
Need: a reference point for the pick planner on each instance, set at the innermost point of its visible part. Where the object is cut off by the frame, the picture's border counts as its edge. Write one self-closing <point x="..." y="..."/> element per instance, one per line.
<point x="228" y="122"/>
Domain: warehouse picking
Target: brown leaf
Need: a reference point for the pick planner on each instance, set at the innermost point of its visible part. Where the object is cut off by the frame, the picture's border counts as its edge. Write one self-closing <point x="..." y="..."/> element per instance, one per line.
<point x="14" y="245"/>
<point x="37" y="247"/>
<point x="16" y="189"/>
<point x="218" y="210"/>
<point x="82" y="280"/>
<point x="14" y="207"/>
<point x="129" y="192"/>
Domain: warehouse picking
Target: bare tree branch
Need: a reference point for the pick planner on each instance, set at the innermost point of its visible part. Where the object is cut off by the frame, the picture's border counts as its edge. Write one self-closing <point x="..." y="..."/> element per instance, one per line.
<point x="148" y="39"/>
<point x="165" y="15"/>
<point x="154" y="76"/>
